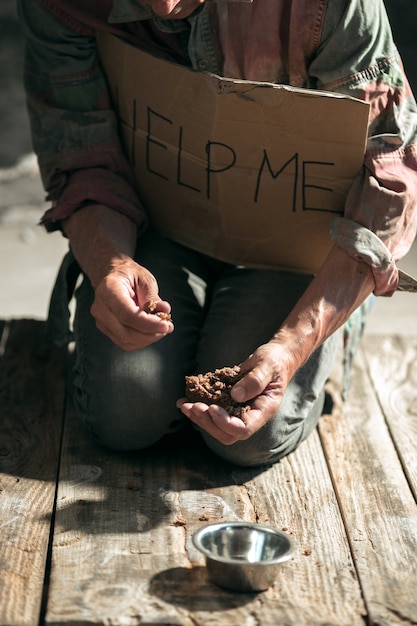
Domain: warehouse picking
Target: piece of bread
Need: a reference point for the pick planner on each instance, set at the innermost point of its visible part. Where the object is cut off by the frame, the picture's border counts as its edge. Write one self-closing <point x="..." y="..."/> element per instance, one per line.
<point x="150" y="307"/>
<point x="214" y="388"/>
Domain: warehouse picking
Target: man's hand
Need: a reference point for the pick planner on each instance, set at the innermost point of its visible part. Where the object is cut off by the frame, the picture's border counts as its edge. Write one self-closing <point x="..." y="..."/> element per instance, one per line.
<point x="339" y="287"/>
<point x="268" y="372"/>
<point x="103" y="242"/>
<point x="119" y="307"/>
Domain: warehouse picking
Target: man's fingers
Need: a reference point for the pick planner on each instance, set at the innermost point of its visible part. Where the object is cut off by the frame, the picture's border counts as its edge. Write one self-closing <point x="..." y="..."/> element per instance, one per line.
<point x="251" y="385"/>
<point x="217" y="423"/>
<point x="130" y="330"/>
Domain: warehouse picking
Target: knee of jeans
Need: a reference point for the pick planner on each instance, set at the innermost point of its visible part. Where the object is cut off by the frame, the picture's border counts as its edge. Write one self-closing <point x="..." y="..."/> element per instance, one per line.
<point x="252" y="453"/>
<point x="123" y="416"/>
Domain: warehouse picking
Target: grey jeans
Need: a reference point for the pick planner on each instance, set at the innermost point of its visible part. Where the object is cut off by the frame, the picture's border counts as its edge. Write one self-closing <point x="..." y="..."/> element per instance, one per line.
<point x="221" y="314"/>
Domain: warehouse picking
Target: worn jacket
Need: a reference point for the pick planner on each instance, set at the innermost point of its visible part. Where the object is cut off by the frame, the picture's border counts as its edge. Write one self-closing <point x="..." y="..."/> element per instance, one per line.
<point x="344" y="46"/>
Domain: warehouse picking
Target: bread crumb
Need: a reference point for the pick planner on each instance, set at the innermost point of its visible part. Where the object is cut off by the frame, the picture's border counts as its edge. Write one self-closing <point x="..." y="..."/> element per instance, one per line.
<point x="150" y="307"/>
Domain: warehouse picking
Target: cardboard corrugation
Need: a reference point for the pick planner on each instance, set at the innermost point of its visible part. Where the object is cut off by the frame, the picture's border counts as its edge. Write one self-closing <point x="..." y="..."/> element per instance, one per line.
<point x="249" y="173"/>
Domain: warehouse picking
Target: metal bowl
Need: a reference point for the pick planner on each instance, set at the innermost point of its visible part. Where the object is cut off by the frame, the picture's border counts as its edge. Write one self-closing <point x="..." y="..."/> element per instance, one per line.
<point x="242" y="556"/>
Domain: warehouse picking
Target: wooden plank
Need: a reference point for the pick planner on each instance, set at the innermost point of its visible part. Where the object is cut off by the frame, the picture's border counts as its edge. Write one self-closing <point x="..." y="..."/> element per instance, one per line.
<point x="31" y="410"/>
<point x="122" y="551"/>
<point x="122" y="525"/>
<point x="379" y="511"/>
<point x="392" y="362"/>
<point x="320" y="585"/>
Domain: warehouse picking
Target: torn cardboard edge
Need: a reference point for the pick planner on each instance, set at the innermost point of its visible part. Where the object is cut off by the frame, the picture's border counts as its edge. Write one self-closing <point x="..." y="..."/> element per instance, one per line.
<point x="249" y="173"/>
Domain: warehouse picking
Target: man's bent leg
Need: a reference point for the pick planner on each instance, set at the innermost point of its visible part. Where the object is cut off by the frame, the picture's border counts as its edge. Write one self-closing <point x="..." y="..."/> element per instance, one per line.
<point x="127" y="399"/>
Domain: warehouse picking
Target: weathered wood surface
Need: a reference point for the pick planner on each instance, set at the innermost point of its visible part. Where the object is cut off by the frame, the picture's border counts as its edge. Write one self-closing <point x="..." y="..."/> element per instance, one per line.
<point x="31" y="412"/>
<point x="121" y="546"/>
<point x="393" y="365"/>
<point x="375" y="499"/>
<point x="122" y="551"/>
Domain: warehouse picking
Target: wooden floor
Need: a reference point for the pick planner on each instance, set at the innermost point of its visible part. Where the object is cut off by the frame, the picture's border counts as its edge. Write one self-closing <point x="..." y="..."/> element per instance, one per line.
<point x="92" y="537"/>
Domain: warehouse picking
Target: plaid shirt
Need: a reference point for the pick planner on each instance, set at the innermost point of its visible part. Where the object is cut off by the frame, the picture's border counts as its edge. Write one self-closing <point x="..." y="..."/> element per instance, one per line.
<point x="334" y="45"/>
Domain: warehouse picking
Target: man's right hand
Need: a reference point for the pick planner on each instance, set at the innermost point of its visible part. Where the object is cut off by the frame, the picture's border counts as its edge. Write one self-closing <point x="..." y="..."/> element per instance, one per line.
<point x="119" y="307"/>
<point x="103" y="242"/>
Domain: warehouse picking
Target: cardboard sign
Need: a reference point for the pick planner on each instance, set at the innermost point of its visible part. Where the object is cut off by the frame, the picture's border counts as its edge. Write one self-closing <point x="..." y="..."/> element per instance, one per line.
<point x="248" y="173"/>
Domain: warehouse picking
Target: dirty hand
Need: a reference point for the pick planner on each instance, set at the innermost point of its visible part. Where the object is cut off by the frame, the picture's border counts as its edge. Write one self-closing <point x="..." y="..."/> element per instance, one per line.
<point x="118" y="307"/>
<point x="268" y="372"/>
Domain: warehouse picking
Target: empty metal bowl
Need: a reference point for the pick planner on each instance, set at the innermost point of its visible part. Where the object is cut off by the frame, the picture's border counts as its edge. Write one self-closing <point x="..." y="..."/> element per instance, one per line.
<point x="242" y="556"/>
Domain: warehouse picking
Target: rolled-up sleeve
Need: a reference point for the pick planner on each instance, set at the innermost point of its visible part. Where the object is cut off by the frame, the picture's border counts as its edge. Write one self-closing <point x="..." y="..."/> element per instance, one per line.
<point x="74" y="128"/>
<point x="358" y="58"/>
